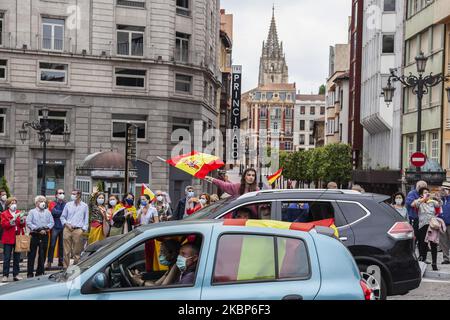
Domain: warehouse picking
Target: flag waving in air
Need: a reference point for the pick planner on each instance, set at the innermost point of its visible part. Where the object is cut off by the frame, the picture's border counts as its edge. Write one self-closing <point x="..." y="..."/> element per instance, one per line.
<point x="196" y="163"/>
<point x="146" y="190"/>
<point x="271" y="179"/>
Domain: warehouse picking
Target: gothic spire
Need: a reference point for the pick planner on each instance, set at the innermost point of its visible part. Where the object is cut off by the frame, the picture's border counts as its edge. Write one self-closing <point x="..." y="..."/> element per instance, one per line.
<point x="272" y="43"/>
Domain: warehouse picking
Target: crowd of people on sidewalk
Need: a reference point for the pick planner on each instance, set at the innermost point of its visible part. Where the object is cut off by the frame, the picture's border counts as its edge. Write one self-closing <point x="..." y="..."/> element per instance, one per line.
<point x="64" y="223"/>
<point x="67" y="224"/>
<point x="429" y="215"/>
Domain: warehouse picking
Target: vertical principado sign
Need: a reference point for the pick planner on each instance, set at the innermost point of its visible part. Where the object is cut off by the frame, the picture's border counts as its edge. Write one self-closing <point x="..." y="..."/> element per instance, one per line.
<point x="236" y="109"/>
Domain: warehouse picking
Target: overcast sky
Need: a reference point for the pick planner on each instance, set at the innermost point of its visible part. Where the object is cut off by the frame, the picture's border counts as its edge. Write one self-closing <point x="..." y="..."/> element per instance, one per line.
<point x="306" y="27"/>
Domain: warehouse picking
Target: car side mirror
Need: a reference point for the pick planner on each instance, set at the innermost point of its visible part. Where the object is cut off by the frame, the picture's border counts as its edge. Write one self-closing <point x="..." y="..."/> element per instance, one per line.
<point x="100" y="281"/>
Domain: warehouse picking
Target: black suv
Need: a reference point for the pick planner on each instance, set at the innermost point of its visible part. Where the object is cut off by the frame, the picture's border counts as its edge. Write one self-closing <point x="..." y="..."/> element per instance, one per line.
<point x="374" y="232"/>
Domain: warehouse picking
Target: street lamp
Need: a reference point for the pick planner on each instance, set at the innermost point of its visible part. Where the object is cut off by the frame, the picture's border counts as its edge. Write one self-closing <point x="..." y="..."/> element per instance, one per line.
<point x="44" y="132"/>
<point x="420" y="86"/>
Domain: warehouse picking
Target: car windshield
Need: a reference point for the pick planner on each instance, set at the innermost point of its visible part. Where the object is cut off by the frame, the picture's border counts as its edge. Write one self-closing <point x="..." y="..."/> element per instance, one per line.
<point x="210" y="210"/>
<point x="75" y="270"/>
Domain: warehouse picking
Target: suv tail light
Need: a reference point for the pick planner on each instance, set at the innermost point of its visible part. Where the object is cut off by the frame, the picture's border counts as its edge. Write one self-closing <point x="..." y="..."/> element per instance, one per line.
<point x="401" y="231"/>
<point x="368" y="293"/>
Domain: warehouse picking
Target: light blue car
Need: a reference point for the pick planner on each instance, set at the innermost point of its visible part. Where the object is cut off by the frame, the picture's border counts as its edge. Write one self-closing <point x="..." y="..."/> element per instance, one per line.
<point x="257" y="260"/>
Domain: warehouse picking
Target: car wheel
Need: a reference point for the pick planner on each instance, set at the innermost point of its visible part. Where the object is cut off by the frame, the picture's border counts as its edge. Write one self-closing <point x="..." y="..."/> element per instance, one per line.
<point x="376" y="283"/>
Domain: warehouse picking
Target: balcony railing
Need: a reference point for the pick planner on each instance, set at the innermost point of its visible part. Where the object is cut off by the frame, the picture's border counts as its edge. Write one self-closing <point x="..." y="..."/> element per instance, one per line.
<point x="35" y="41"/>
<point x="136" y="4"/>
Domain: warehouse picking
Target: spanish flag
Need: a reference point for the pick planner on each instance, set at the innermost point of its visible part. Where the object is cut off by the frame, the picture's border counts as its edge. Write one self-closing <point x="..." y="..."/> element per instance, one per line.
<point x="271" y="179"/>
<point x="146" y="190"/>
<point x="196" y="163"/>
<point x="244" y="256"/>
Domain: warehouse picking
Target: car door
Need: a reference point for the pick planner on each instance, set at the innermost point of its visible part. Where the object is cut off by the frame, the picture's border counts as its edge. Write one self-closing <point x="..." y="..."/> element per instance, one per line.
<point x="260" y="263"/>
<point x="191" y="292"/>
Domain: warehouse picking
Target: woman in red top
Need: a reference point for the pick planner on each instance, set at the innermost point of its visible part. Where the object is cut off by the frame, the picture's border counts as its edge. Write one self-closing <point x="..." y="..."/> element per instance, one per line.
<point x="200" y="203"/>
<point x="13" y="223"/>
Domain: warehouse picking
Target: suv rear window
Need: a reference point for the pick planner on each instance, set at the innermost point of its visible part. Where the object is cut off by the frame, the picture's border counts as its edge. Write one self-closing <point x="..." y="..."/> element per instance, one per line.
<point x="351" y="211"/>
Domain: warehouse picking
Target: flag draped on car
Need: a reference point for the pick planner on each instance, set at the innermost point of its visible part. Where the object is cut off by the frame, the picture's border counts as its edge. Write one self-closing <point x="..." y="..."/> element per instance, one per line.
<point x="271" y="179"/>
<point x="196" y="163"/>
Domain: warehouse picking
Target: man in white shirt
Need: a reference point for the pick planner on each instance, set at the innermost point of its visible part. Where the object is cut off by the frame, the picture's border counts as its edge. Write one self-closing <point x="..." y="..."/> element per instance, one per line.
<point x="75" y="219"/>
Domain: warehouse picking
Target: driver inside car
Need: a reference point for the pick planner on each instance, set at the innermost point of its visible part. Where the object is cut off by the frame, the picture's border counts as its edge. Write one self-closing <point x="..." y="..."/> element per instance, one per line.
<point x="167" y="257"/>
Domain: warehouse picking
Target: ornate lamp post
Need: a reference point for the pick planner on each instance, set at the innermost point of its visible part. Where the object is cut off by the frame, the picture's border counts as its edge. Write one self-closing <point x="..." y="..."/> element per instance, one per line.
<point x="420" y="86"/>
<point x="44" y="134"/>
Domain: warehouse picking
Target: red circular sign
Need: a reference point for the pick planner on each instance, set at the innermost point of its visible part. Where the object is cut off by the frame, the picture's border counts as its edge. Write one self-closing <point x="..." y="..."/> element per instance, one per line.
<point x="418" y="159"/>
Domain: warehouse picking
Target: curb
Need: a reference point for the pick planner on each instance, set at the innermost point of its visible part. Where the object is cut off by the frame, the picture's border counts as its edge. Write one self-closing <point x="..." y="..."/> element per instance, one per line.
<point x="437" y="275"/>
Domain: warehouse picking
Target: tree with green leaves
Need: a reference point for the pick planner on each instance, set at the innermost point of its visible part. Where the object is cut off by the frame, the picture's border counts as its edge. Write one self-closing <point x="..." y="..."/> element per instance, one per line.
<point x="322" y="89"/>
<point x="338" y="163"/>
<point x="4" y="186"/>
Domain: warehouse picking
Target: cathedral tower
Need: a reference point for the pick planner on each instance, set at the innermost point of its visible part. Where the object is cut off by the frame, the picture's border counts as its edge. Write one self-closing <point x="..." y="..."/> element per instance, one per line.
<point x="272" y="67"/>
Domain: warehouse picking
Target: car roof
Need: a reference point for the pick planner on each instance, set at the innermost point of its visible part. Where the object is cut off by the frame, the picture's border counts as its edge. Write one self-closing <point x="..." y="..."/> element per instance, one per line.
<point x="316" y="194"/>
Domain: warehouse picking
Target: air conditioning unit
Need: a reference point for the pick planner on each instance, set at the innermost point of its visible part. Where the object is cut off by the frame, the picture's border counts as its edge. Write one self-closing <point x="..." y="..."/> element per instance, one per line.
<point x="24" y="47"/>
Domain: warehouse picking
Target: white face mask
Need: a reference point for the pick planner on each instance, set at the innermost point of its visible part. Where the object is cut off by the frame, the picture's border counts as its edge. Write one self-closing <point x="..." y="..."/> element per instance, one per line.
<point x="42" y="205"/>
<point x="203" y="201"/>
<point x="13" y="207"/>
<point x="398" y="202"/>
<point x="112" y="203"/>
<point x="73" y="197"/>
<point x="4" y="197"/>
<point x="159" y="198"/>
<point x="60" y="197"/>
<point x="100" y="201"/>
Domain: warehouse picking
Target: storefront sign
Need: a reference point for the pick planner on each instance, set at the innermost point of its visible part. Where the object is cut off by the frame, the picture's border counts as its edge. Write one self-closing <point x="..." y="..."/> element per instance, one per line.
<point x="53" y="162"/>
<point x="112" y="174"/>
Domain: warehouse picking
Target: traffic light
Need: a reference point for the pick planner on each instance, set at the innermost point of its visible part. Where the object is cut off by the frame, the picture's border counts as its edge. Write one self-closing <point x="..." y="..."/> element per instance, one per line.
<point x="131" y="142"/>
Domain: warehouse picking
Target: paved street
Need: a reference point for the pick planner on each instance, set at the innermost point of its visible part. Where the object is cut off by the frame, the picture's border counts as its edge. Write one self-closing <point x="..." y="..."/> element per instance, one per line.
<point x="429" y="290"/>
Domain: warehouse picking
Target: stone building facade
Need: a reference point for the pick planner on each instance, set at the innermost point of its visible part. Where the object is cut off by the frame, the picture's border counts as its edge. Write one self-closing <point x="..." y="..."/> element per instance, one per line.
<point x="96" y="65"/>
<point x="308" y="109"/>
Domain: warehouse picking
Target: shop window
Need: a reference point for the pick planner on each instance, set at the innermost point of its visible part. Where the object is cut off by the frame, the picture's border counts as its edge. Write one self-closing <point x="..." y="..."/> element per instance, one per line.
<point x="54" y="176"/>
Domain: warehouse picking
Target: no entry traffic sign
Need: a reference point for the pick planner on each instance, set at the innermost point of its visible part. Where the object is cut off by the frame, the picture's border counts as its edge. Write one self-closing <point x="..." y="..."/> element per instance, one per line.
<point x="418" y="159"/>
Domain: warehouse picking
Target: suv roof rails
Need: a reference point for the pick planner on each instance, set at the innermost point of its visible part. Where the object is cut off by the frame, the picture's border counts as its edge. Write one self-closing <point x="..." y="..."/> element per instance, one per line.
<point x="338" y="191"/>
<point x="334" y="191"/>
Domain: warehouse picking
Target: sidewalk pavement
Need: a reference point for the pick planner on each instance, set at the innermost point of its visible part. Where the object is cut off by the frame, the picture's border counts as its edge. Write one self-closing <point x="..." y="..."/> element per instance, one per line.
<point x="444" y="269"/>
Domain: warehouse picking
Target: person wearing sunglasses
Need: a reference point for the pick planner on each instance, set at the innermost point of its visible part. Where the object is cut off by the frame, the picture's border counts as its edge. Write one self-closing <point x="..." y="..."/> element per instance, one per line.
<point x="56" y="208"/>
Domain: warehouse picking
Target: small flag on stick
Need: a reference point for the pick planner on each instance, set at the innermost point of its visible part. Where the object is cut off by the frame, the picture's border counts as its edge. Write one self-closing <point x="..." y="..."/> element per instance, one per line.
<point x="271" y="179"/>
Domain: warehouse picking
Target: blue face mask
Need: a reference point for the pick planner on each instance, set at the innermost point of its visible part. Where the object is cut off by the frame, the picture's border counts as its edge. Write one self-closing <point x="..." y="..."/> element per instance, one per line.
<point x="144" y="203"/>
<point x="130" y="202"/>
<point x="163" y="261"/>
<point x="181" y="263"/>
<point x="190" y="194"/>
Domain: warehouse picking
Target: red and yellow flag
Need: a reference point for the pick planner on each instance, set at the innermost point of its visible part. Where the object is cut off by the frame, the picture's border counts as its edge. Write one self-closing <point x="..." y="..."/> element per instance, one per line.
<point x="271" y="179"/>
<point x="146" y="190"/>
<point x="196" y="163"/>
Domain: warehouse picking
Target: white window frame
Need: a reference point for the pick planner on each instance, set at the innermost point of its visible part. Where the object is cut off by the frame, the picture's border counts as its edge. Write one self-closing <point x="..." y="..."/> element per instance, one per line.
<point x="132" y="122"/>
<point x="410" y="142"/>
<point x="53" y="25"/>
<point x="3" y="116"/>
<point x="434" y="154"/>
<point x="56" y="83"/>
<point x="179" y="51"/>
<point x="191" y="84"/>
<point x="79" y="183"/>
<point x="6" y="71"/>
<point x="300" y="139"/>
<point x="2" y="29"/>
<point x="130" y="76"/>
<point x="423" y="143"/>
<point x="130" y="42"/>
<point x="184" y="9"/>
